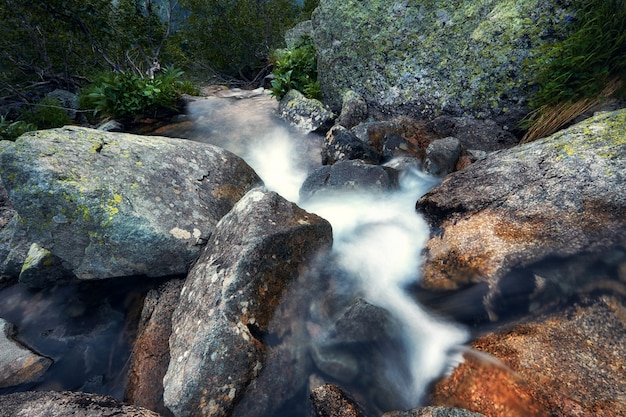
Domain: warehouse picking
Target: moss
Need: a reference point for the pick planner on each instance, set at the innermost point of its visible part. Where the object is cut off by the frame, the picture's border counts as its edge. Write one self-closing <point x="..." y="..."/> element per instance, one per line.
<point x="454" y="54"/>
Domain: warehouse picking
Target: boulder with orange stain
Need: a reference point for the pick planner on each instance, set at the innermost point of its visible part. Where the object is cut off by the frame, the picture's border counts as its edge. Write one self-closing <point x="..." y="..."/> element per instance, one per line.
<point x="569" y="363"/>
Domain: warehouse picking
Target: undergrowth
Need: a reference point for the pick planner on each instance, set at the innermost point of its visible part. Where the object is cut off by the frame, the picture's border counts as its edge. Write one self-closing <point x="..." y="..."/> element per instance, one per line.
<point x="585" y="67"/>
<point x="129" y="96"/>
<point x="296" y="68"/>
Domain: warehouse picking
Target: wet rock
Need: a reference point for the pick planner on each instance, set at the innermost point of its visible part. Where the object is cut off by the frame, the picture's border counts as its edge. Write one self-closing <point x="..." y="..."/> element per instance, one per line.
<point x="428" y="59"/>
<point x="66" y="404"/>
<point x="353" y="110"/>
<point x="348" y="176"/>
<point x="474" y="134"/>
<point x="433" y="412"/>
<point x="560" y="196"/>
<point x="151" y="355"/>
<point x="565" y="363"/>
<point x="112" y="204"/>
<point x="18" y="365"/>
<point x="307" y="115"/>
<point x="220" y="325"/>
<point x="442" y="156"/>
<point x="329" y="401"/>
<point x="375" y="134"/>
<point x="340" y="144"/>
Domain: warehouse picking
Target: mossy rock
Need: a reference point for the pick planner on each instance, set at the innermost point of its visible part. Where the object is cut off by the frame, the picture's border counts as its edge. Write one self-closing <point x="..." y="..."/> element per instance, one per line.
<point x="112" y="204"/>
<point x="435" y="57"/>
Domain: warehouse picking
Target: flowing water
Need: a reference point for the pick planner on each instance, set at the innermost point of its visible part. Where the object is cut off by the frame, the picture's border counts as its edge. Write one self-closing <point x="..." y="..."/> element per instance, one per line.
<point x="377" y="244"/>
<point x="378" y="239"/>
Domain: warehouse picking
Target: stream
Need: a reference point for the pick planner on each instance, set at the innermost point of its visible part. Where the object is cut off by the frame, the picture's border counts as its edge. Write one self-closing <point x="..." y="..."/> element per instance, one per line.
<point x="377" y="244"/>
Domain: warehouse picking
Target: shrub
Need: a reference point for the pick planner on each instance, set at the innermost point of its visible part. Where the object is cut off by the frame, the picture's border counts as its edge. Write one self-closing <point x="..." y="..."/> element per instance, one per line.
<point x="128" y="96"/>
<point x="296" y="68"/>
<point x="46" y="114"/>
<point x="10" y="130"/>
<point x="588" y="65"/>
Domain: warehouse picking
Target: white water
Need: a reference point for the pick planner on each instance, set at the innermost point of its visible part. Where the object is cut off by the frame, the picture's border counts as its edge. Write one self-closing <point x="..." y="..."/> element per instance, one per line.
<point x="378" y="240"/>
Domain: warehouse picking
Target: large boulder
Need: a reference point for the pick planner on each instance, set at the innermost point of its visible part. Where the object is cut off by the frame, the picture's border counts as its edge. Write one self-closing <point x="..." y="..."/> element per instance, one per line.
<point x="218" y="342"/>
<point x="111" y="204"/>
<point x="430" y="58"/>
<point x="557" y="197"/>
<point x="564" y="363"/>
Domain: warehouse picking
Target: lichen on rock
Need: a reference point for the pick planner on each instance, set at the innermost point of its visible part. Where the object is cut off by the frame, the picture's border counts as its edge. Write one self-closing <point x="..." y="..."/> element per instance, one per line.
<point x="434" y="57"/>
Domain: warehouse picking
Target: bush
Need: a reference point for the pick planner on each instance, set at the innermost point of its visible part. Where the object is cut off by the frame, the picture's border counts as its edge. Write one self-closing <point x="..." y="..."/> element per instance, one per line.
<point x="46" y="114"/>
<point x="296" y="68"/>
<point x="129" y="96"/>
<point x="12" y="130"/>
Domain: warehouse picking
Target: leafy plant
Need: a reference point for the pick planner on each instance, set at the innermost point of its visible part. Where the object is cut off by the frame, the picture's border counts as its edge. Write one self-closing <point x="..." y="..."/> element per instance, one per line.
<point x="128" y="95"/>
<point x="10" y="130"/>
<point x="296" y="68"/>
<point x="46" y="114"/>
<point x="588" y="65"/>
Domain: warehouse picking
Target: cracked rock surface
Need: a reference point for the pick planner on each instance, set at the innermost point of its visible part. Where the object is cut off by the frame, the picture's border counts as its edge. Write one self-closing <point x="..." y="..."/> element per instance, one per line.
<point x="113" y="204"/>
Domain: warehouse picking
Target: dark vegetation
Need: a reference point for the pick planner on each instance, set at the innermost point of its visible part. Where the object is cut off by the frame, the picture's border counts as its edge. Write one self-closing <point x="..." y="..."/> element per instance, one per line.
<point x="131" y="58"/>
<point x="296" y="68"/>
<point x="589" y="65"/>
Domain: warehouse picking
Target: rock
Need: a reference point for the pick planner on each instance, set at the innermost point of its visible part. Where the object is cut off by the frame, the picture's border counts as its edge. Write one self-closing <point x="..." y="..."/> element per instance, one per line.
<point x="329" y="401"/>
<point x="438" y="57"/>
<point x="375" y="133"/>
<point x="307" y="115"/>
<point x="111" y="126"/>
<point x="340" y="144"/>
<point x="18" y="365"/>
<point x="353" y="110"/>
<point x="557" y="197"/>
<point x="345" y="176"/>
<point x="474" y="134"/>
<point x="433" y="412"/>
<point x="66" y="404"/>
<point x="112" y="205"/>
<point x="564" y="363"/>
<point x="14" y="246"/>
<point x="151" y="355"/>
<point x="300" y="30"/>
<point x="219" y="327"/>
<point x="42" y="269"/>
<point x="67" y="100"/>
<point x="442" y="156"/>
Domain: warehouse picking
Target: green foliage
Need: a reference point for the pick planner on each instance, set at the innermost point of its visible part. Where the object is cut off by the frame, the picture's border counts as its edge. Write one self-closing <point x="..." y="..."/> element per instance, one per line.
<point x="128" y="95"/>
<point x="12" y="130"/>
<point x="296" y="68"/>
<point x="235" y="37"/>
<point x="586" y="61"/>
<point x="46" y="114"/>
